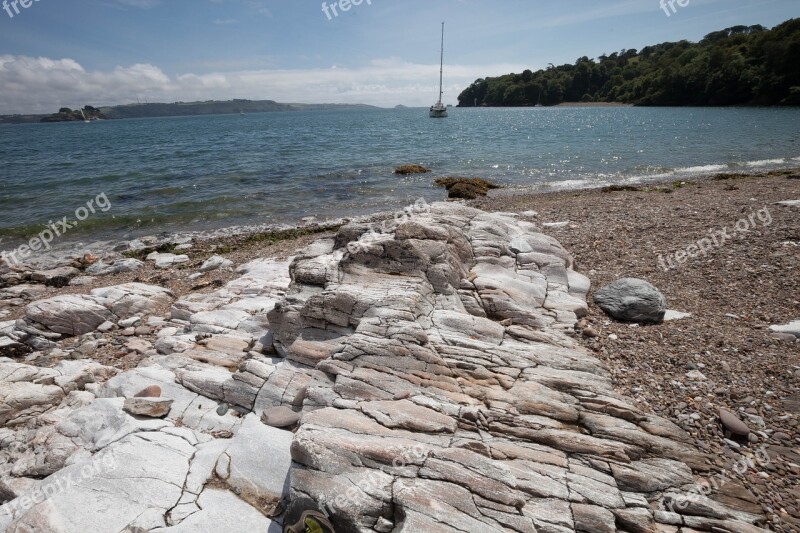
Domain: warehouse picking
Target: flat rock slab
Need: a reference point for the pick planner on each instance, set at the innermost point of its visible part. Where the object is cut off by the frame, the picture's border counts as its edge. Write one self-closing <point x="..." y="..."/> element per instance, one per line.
<point x="221" y="510"/>
<point x="259" y="464"/>
<point x="112" y="490"/>
<point x="70" y="314"/>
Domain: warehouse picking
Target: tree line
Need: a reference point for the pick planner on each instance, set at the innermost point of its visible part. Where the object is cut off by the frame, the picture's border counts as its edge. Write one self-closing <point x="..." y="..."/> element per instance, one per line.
<point x="742" y="65"/>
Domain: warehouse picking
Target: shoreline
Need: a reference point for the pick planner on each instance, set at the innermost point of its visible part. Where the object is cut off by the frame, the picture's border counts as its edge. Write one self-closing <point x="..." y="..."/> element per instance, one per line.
<point x="79" y="244"/>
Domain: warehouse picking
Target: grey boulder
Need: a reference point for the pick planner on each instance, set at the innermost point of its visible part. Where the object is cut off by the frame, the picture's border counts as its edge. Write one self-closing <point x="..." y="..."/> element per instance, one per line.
<point x="632" y="300"/>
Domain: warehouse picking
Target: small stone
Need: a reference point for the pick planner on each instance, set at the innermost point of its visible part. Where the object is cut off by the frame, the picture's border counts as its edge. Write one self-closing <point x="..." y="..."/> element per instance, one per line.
<point x="590" y="333"/>
<point x="128" y="322"/>
<point x="695" y="375"/>
<point x="143" y="330"/>
<point x="556" y="225"/>
<point x="128" y="332"/>
<point x="149" y="407"/>
<point x="153" y="391"/>
<point x="675" y="315"/>
<point x="733" y="424"/>
<point x="222" y="410"/>
<point x="383" y="525"/>
<point x="214" y="263"/>
<point x="781" y="436"/>
<point x="106" y="326"/>
<point x="280" y="417"/>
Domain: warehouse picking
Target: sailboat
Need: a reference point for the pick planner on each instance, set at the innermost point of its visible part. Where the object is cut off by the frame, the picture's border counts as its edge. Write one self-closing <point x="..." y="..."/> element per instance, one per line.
<point x="438" y="110"/>
<point x="86" y="120"/>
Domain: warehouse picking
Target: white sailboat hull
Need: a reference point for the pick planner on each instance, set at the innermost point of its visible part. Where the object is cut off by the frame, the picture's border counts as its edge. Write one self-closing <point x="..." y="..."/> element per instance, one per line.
<point x="438" y="112"/>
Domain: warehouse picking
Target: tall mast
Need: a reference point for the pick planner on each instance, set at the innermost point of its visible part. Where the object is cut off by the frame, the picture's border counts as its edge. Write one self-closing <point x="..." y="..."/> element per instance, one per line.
<point x="441" y="67"/>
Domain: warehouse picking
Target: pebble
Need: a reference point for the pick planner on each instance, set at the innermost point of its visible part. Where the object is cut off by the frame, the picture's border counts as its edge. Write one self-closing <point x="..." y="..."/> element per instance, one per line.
<point x="222" y="410"/>
<point x="696" y="375"/>
<point x="590" y="332"/>
<point x="732" y="423"/>
<point x="128" y="322"/>
<point x="280" y="417"/>
<point x="153" y="391"/>
<point x="106" y="327"/>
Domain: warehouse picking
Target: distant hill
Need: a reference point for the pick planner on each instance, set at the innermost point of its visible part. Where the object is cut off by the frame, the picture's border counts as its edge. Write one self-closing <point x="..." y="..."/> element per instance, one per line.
<point x="230" y="107"/>
<point x="742" y="65"/>
<point x="177" y="109"/>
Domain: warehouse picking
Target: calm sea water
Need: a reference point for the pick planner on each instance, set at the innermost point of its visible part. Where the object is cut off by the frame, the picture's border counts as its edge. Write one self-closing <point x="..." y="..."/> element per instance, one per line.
<point x="204" y="172"/>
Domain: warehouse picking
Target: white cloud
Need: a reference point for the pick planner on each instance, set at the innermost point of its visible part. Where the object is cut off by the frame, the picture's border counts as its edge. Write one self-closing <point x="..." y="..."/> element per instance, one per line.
<point x="42" y="85"/>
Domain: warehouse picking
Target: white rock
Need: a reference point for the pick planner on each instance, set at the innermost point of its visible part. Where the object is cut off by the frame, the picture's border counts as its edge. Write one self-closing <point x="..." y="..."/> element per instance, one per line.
<point x="221" y="510"/>
<point x="215" y="262"/>
<point x="792" y="328"/>
<point x="260" y="460"/>
<point x="675" y="315"/>
<point x="695" y="375"/>
<point x="142" y="473"/>
<point x="128" y="322"/>
<point x="70" y="314"/>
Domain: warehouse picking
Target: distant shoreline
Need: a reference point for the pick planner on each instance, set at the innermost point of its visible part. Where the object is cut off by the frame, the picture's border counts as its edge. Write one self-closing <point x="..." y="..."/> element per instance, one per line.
<point x="592" y="104"/>
<point x="181" y="109"/>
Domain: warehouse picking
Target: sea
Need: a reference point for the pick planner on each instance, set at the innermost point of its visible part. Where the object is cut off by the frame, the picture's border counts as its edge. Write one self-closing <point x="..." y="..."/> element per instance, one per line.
<point x="185" y="174"/>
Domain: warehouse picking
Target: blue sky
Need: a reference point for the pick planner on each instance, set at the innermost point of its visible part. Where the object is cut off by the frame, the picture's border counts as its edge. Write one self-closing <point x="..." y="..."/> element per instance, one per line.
<point x="385" y="52"/>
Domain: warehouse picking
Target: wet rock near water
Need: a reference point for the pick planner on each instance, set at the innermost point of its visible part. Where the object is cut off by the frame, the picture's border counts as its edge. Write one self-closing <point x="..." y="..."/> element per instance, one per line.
<point x="405" y="170"/>
<point x="466" y="188"/>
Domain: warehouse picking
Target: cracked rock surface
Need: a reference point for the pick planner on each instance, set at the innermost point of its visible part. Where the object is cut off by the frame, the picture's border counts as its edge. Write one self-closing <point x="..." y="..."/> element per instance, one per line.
<point x="429" y="366"/>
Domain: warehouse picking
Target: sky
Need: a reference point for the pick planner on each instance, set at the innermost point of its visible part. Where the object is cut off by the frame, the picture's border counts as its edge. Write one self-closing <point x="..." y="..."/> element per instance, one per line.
<point x="70" y="53"/>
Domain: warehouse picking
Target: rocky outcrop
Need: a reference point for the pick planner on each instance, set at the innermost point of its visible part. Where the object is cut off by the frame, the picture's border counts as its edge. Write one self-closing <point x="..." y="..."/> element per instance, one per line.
<point x="417" y="378"/>
<point x="444" y="394"/>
